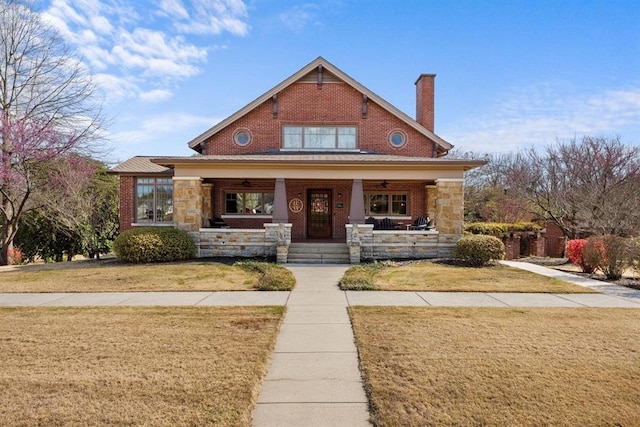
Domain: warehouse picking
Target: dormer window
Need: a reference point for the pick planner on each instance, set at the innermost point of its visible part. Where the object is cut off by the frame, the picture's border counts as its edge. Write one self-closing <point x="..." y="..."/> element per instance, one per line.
<point x="323" y="138"/>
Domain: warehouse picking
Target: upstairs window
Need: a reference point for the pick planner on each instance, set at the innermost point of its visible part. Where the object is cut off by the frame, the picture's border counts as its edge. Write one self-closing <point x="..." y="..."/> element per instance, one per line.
<point x="154" y="200"/>
<point x="325" y="138"/>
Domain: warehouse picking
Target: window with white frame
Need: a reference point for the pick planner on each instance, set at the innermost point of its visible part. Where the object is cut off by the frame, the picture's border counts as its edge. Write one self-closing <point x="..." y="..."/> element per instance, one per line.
<point x="154" y="200"/>
<point x="248" y="203"/>
<point x="379" y="204"/>
<point x="319" y="137"/>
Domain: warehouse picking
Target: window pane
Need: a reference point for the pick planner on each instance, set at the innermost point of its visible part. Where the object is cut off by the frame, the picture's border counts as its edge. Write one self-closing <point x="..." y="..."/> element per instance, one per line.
<point x="233" y="203"/>
<point x="164" y="202"/>
<point x="268" y="203"/>
<point x="346" y="137"/>
<point x="399" y="204"/>
<point x="320" y="137"/>
<point x="144" y="201"/>
<point x="292" y="137"/>
<point x="379" y="204"/>
<point x="253" y="203"/>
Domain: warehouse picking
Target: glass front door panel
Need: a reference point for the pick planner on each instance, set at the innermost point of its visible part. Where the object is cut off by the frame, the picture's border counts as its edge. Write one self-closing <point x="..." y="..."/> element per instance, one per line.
<point x="319" y="214"/>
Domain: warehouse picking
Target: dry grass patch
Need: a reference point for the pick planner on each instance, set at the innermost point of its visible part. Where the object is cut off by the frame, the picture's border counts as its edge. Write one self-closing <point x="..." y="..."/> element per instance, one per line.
<point x="429" y="276"/>
<point x="113" y="276"/>
<point x="134" y="366"/>
<point x="500" y="366"/>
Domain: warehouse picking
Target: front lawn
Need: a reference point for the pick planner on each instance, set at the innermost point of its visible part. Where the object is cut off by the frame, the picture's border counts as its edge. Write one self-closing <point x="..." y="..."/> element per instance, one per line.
<point x="114" y="276"/>
<point x="134" y="366"/>
<point x="500" y="366"/>
<point x="431" y="276"/>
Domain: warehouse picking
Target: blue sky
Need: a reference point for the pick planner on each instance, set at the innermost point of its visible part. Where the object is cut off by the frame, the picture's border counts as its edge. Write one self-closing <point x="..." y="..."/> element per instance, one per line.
<point x="510" y="74"/>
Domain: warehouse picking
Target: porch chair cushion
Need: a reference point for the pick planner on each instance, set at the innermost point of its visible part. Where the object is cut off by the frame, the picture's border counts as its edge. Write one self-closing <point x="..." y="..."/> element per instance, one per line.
<point x="387" y="224"/>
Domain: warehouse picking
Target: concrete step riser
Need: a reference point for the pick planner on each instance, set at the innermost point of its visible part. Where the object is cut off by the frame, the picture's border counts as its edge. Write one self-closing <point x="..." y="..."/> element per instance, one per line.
<point x="320" y="253"/>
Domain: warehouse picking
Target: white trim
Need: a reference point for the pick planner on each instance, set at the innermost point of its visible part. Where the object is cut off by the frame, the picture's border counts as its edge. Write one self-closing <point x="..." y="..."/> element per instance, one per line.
<point x="152" y="224"/>
<point x="187" y="178"/>
<point x="243" y="216"/>
<point x="449" y="180"/>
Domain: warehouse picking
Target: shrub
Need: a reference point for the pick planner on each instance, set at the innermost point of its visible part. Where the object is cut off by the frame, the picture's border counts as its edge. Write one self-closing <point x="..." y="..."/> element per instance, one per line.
<point x="271" y="277"/>
<point x="500" y="229"/>
<point x="154" y="244"/>
<point x="16" y="257"/>
<point x="588" y="263"/>
<point x="612" y="254"/>
<point x="478" y="250"/>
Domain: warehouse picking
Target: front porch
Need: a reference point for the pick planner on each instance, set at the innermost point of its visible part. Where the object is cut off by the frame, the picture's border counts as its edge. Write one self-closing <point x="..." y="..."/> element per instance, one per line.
<point x="363" y="243"/>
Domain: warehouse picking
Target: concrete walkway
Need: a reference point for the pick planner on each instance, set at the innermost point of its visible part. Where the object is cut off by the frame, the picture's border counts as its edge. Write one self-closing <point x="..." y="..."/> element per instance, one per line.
<point x="314" y="379"/>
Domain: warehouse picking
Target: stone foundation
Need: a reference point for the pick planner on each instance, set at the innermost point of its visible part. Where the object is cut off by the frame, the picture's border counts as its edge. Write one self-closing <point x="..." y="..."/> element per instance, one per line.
<point x="272" y="241"/>
<point x="366" y="243"/>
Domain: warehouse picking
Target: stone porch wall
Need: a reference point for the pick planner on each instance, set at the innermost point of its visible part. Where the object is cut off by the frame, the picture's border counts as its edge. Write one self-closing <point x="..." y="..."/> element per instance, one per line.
<point x="229" y="242"/>
<point x="366" y="243"/>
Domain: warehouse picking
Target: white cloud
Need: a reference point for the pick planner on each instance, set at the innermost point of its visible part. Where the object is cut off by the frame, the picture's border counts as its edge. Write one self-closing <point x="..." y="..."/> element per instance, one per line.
<point x="173" y="8"/>
<point x="145" y="46"/>
<point x="299" y="17"/>
<point x="540" y="115"/>
<point x="156" y="95"/>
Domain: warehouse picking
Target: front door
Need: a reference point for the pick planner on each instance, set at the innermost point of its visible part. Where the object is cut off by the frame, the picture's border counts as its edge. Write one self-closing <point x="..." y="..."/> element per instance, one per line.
<point x="319" y="224"/>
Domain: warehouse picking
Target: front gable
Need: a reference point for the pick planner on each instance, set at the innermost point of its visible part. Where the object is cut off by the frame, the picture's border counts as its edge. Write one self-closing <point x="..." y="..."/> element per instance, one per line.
<point x="320" y="96"/>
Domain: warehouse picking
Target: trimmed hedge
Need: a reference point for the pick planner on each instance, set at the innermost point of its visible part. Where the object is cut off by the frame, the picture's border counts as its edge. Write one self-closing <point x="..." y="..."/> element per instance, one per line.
<point x="478" y="250"/>
<point x="501" y="229"/>
<point x="154" y="244"/>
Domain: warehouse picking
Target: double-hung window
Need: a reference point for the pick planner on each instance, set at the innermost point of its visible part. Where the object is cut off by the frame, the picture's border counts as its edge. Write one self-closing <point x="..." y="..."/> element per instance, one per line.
<point x="249" y="203"/>
<point x="386" y="204"/>
<point x="154" y="200"/>
<point x="327" y="138"/>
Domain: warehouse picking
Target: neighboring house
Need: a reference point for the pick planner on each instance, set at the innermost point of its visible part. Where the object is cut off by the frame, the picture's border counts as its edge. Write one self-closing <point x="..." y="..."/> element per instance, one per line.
<point x="311" y="160"/>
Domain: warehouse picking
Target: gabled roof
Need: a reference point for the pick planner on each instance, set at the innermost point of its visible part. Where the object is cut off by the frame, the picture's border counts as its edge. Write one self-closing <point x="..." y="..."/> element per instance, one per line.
<point x="196" y="142"/>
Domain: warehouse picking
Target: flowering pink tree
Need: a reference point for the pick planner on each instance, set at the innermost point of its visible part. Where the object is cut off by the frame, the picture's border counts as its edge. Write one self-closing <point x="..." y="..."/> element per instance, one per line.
<point x="47" y="110"/>
<point x="29" y="148"/>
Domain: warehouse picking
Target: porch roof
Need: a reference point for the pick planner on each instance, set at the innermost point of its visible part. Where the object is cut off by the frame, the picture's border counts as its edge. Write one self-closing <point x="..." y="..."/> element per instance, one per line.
<point x="318" y="166"/>
<point x="328" y="159"/>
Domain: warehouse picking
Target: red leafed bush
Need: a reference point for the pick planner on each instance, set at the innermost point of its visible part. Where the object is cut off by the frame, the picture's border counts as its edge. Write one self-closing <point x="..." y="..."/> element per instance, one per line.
<point x="15" y="256"/>
<point x="575" y="252"/>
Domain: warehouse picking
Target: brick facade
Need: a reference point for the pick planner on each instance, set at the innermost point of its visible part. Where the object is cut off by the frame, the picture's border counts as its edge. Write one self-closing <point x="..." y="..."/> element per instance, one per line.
<point x="335" y="104"/>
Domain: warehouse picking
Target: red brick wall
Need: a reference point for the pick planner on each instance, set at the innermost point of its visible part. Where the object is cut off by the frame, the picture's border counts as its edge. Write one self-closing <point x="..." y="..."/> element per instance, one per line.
<point x="555" y="240"/>
<point x="425" y="96"/>
<point x="305" y="104"/>
<point x="127" y="202"/>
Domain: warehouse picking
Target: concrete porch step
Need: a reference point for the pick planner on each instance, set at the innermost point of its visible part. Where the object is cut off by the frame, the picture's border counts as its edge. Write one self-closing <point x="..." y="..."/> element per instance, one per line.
<point x="318" y="253"/>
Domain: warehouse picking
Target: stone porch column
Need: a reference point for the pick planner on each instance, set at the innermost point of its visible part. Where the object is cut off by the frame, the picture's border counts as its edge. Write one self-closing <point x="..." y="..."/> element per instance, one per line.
<point x="449" y="218"/>
<point x="207" y="203"/>
<point x="187" y="203"/>
<point x="280" y="208"/>
<point x="356" y="208"/>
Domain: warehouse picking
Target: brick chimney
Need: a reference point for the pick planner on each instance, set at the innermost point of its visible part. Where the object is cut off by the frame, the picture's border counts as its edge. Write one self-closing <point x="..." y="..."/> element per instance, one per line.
<point x="425" y="93"/>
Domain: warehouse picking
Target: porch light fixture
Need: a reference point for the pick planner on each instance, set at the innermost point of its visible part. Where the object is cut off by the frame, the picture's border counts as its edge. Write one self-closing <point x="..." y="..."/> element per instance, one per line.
<point x="384" y="184"/>
<point x="340" y="195"/>
<point x="246" y="183"/>
<point x="299" y="195"/>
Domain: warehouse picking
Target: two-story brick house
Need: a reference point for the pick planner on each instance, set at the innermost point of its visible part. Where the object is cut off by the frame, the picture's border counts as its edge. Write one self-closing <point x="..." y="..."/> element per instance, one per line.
<point x="314" y="159"/>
